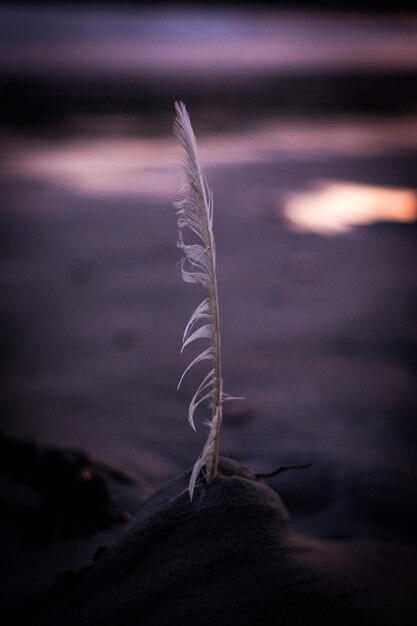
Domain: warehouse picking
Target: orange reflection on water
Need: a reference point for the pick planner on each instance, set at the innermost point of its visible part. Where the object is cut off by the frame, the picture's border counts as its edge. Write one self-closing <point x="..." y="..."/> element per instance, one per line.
<point x="144" y="165"/>
<point x="100" y="166"/>
<point x="334" y="207"/>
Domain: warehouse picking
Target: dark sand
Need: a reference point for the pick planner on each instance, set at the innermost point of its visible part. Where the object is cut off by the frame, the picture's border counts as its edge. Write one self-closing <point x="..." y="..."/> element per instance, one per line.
<point x="230" y="557"/>
<point x="59" y="511"/>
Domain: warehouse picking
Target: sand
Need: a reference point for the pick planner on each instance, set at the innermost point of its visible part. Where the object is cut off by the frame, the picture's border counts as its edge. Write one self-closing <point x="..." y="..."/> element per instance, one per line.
<point x="230" y="557"/>
<point x="93" y="312"/>
<point x="79" y="548"/>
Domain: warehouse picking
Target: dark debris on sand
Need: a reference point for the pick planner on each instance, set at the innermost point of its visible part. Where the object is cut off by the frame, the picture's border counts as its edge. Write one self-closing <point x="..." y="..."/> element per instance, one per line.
<point x="54" y="503"/>
<point x="72" y="496"/>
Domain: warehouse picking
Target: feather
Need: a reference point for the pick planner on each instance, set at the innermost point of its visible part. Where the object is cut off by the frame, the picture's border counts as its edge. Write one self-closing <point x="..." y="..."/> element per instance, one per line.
<point x="201" y="312"/>
<point x="198" y="265"/>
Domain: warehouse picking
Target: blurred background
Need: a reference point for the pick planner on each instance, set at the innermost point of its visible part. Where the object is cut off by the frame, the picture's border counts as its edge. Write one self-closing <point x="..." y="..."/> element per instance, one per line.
<point x="307" y="125"/>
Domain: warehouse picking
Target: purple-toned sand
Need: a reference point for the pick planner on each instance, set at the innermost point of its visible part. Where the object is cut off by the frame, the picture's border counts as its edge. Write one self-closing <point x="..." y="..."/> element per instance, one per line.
<point x="230" y="557"/>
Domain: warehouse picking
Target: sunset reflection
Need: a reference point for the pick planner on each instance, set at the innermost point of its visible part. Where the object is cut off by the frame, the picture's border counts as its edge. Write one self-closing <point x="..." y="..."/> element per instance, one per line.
<point x="335" y="207"/>
<point x="146" y="165"/>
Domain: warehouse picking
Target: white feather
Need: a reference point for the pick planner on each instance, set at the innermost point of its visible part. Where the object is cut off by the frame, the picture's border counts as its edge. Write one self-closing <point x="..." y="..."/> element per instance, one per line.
<point x="195" y="215"/>
<point x="204" y="356"/>
<point x="201" y="312"/>
<point x="204" y="332"/>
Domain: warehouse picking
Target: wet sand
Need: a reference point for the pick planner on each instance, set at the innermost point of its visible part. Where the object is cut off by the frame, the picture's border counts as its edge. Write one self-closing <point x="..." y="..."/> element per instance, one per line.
<point x="318" y="335"/>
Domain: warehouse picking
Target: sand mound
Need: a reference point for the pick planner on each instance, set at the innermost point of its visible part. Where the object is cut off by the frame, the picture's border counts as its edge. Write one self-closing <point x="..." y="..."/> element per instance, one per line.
<point x="229" y="557"/>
